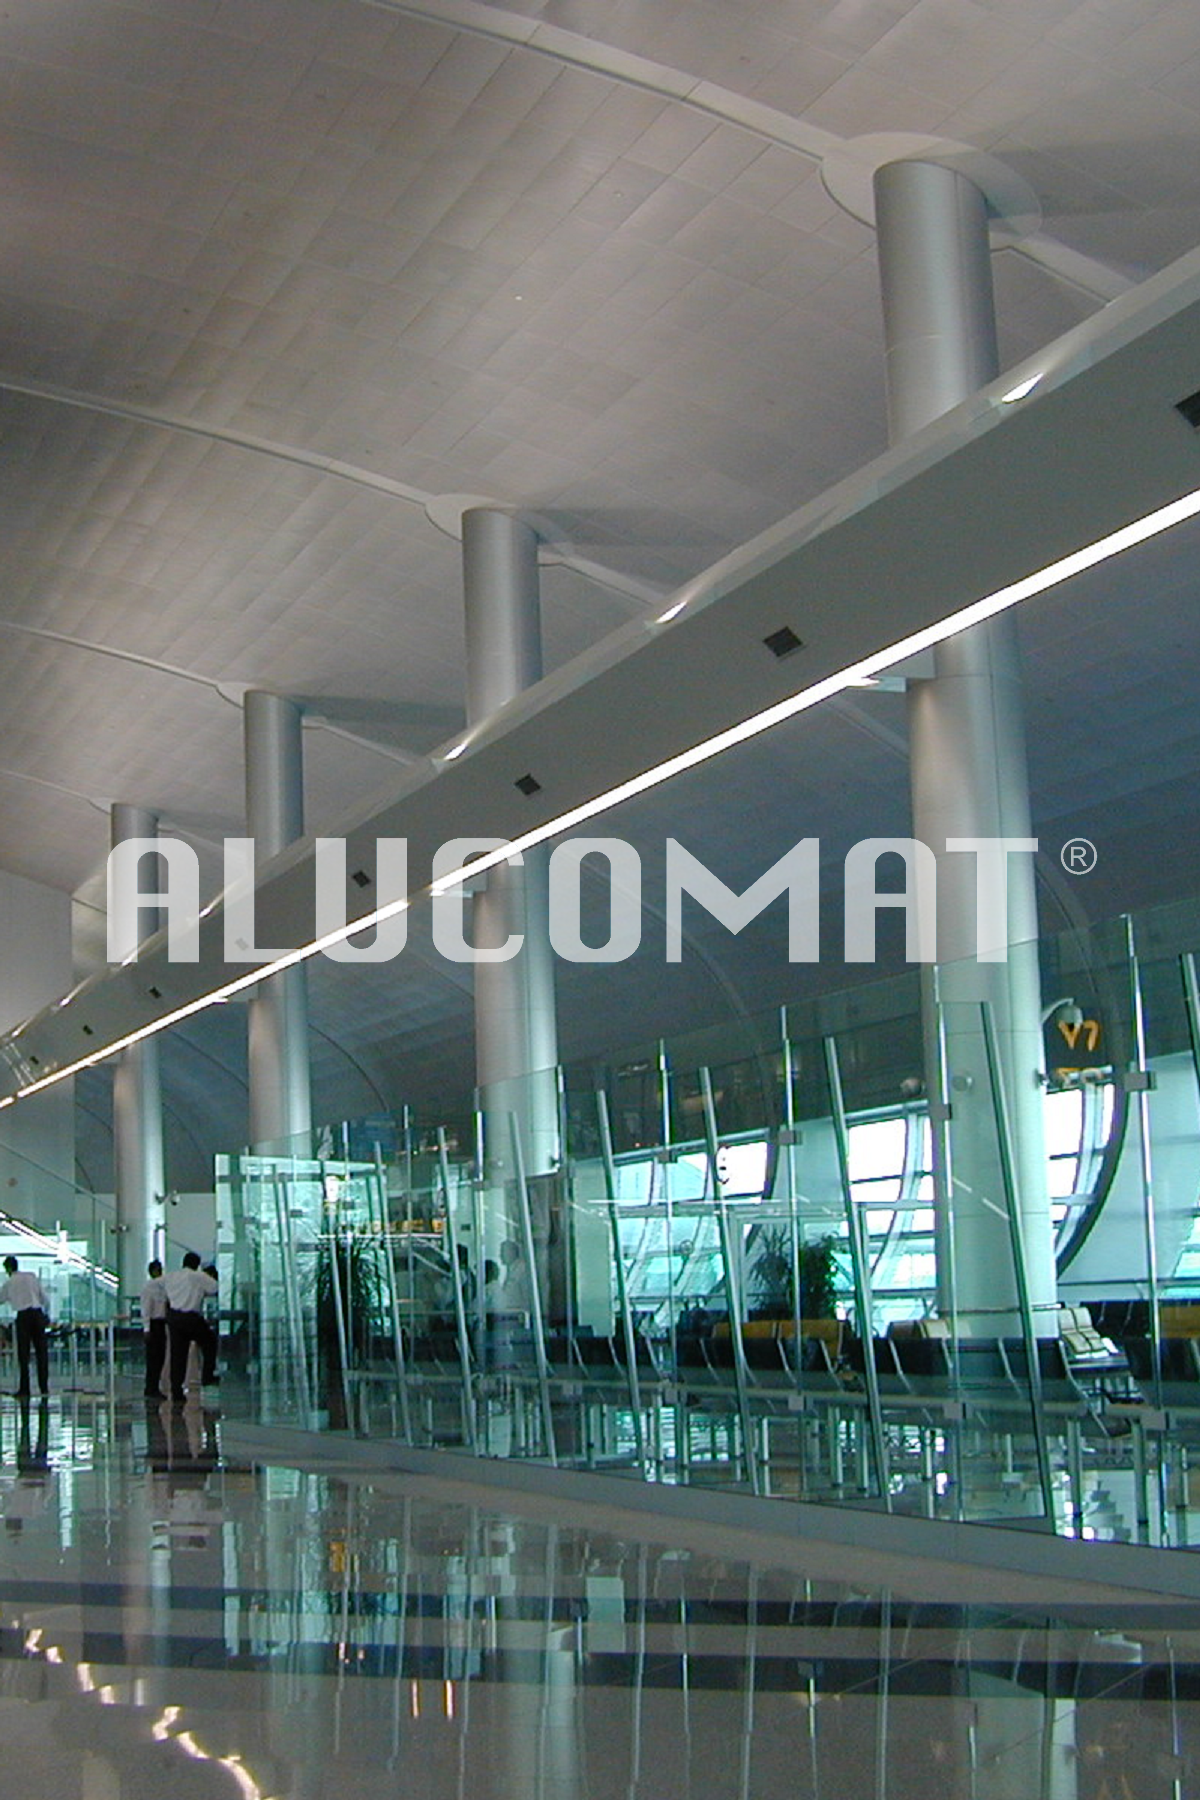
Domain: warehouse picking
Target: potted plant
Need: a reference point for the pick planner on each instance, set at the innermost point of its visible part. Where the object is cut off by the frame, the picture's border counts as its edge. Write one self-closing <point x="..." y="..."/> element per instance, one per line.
<point x="346" y="1278"/>
<point x="772" y="1276"/>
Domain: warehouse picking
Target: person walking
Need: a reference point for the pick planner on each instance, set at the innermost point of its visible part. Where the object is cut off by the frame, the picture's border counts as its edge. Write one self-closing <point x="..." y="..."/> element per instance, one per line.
<point x="154" y="1327"/>
<point x="27" y="1297"/>
<point x="187" y="1289"/>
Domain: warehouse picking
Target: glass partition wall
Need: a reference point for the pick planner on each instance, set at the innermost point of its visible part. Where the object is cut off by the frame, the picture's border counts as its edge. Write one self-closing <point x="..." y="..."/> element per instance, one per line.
<point x="752" y="1267"/>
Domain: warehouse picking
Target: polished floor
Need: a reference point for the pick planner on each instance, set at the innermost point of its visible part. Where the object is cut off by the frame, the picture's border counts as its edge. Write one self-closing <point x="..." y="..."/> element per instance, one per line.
<point x="174" y="1624"/>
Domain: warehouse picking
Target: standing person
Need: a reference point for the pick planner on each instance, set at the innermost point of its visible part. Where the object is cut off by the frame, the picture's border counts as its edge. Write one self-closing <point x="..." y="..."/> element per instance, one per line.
<point x="27" y="1297"/>
<point x="187" y="1289"/>
<point x="154" y="1326"/>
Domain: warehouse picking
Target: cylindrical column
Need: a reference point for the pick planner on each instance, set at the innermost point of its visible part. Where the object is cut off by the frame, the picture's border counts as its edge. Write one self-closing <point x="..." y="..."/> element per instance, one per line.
<point x="939" y="321"/>
<point x="280" y="1105"/>
<point x="138" y="1163"/>
<point x="516" y="1044"/>
<point x="969" y="776"/>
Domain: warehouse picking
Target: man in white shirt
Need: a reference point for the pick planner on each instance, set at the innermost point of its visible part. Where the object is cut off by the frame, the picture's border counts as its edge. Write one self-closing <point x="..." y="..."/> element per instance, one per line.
<point x="154" y="1325"/>
<point x="27" y="1297"/>
<point x="187" y="1289"/>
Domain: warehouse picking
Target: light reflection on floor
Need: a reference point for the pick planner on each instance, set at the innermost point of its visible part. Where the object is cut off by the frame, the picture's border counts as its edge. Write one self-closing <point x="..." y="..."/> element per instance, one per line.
<point x="173" y="1625"/>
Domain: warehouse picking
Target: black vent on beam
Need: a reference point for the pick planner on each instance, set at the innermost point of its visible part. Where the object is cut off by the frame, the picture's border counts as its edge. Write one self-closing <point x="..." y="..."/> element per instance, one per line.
<point x="1190" y="408"/>
<point x="783" y="641"/>
<point x="528" y="784"/>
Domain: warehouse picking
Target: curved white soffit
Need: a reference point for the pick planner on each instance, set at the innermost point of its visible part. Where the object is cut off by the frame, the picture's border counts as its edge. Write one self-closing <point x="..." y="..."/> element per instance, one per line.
<point x="771" y="124"/>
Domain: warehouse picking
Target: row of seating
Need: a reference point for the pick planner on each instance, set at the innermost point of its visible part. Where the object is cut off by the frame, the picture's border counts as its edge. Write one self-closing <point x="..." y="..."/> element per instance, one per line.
<point x="920" y="1365"/>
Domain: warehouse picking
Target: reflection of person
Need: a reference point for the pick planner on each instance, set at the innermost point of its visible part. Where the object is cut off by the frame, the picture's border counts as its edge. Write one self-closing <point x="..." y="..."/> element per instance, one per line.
<point x="27" y="1297"/>
<point x="516" y="1295"/>
<point x="33" y="1458"/>
<point x="181" y="1453"/>
<point x="154" y="1326"/>
<point x="31" y="1492"/>
<point x="187" y="1289"/>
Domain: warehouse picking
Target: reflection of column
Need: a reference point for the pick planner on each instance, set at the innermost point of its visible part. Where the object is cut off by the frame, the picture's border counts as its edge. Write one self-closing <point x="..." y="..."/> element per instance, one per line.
<point x="138" y="1168"/>
<point x="969" y="777"/>
<point x="536" y="1738"/>
<point x="516" y="1046"/>
<point x="1023" y="1743"/>
<point x="280" y="1106"/>
<point x="146" y="1566"/>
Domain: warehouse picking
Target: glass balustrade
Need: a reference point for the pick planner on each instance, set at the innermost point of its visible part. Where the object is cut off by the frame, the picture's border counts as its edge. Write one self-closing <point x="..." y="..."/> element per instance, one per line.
<point x="777" y="1265"/>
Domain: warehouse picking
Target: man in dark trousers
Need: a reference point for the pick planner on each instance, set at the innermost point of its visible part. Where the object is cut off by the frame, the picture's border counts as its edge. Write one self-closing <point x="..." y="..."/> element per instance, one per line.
<point x="27" y="1297"/>
<point x="187" y="1290"/>
<point x="154" y="1325"/>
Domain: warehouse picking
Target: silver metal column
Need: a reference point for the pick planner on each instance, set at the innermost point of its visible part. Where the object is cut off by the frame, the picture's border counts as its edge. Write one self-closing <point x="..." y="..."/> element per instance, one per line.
<point x="138" y="1165"/>
<point x="280" y="1106"/>
<point x="968" y="770"/>
<point x="516" y="1039"/>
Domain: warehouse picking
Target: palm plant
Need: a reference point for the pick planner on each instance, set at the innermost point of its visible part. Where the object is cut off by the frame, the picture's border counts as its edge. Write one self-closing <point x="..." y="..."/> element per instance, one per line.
<point x="347" y="1267"/>
<point x="772" y="1275"/>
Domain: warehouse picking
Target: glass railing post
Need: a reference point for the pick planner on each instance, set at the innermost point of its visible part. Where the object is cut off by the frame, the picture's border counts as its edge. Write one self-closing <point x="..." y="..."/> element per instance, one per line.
<point x="733" y="1285"/>
<point x="460" y="1309"/>
<point x="664" y="1094"/>
<point x="614" y="1226"/>
<point x="92" y="1273"/>
<point x="1139" y="1080"/>
<point x="339" y="1310"/>
<point x="379" y="1188"/>
<point x="665" y="1135"/>
<point x="787" y="1144"/>
<point x="941" y="1157"/>
<point x="1020" y="1274"/>
<point x="860" y="1267"/>
<point x="535" y="1290"/>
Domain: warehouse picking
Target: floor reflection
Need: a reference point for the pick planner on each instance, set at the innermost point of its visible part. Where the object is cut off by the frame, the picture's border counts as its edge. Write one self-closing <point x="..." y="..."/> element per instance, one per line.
<point x="172" y="1623"/>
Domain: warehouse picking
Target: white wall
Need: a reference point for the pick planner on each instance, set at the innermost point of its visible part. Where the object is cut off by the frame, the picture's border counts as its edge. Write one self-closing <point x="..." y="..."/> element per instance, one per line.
<point x="37" y="1136"/>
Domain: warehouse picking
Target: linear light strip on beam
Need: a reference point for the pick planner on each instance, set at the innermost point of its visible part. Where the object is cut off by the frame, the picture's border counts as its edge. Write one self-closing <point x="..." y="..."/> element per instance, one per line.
<point x="1164" y="518"/>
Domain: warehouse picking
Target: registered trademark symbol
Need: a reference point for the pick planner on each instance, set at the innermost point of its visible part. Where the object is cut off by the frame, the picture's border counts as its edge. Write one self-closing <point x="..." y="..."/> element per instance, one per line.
<point x="1078" y="856"/>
